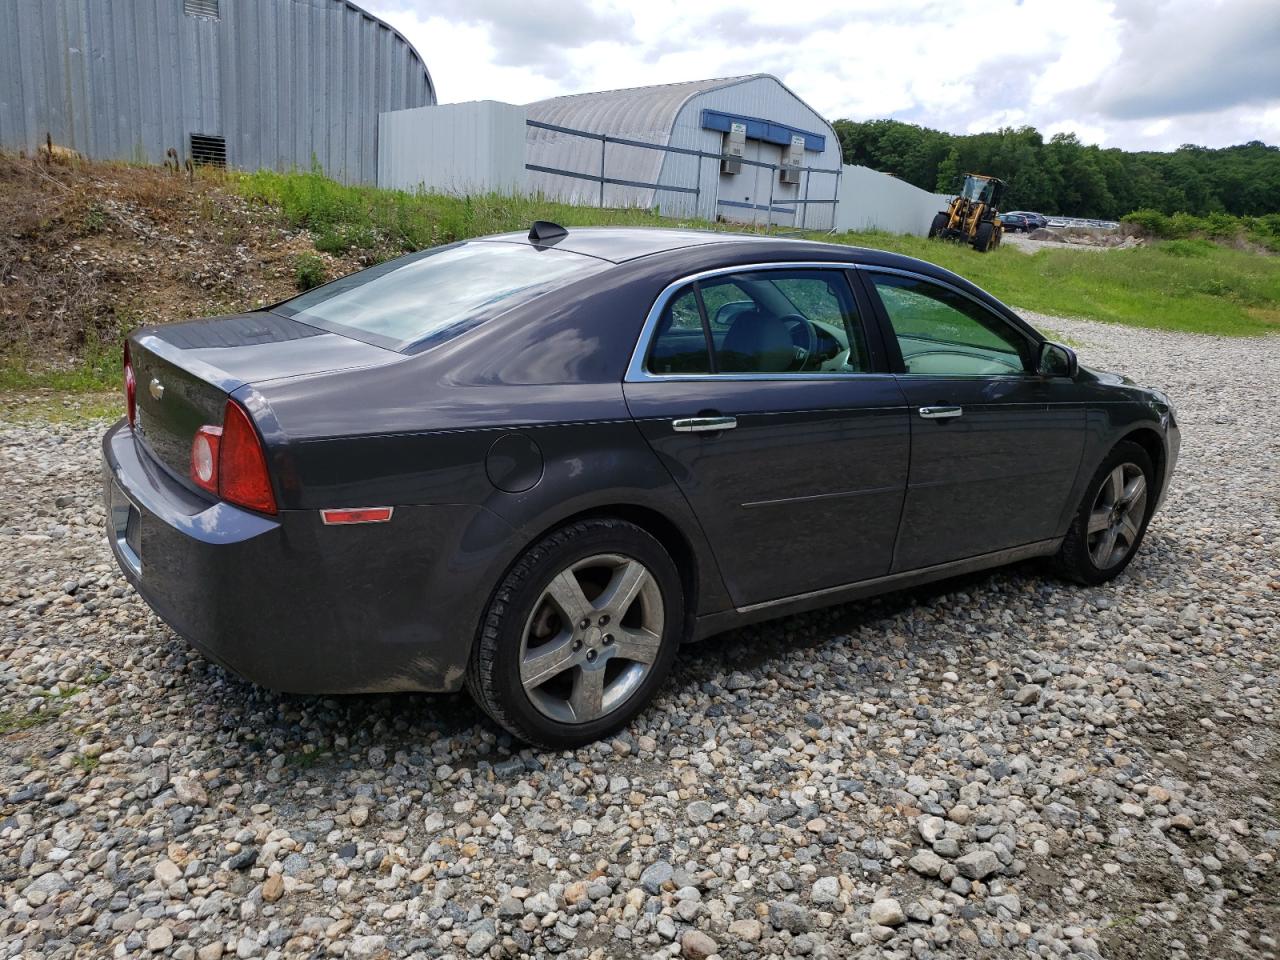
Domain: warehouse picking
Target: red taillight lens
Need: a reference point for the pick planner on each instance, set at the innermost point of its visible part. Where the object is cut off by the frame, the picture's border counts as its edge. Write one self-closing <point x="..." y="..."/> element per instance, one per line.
<point x="242" y="463"/>
<point x="204" y="458"/>
<point x="229" y="461"/>
<point x="130" y="388"/>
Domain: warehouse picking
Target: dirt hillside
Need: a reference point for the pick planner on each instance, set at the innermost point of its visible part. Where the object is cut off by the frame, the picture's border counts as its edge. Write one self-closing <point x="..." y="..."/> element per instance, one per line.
<point x="89" y="251"/>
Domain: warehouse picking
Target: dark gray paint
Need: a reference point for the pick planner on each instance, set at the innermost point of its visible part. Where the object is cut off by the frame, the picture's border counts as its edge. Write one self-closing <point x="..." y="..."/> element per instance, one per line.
<point x="828" y="490"/>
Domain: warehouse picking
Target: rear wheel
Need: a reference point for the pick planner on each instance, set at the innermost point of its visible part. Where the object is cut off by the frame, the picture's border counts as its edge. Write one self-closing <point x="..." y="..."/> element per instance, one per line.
<point x="1112" y="518"/>
<point x="982" y="237"/>
<point x="579" y="635"/>
<point x="939" y="224"/>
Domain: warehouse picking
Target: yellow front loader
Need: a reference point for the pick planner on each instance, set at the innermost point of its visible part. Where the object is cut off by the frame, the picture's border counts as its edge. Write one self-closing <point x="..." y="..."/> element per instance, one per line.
<point x="974" y="215"/>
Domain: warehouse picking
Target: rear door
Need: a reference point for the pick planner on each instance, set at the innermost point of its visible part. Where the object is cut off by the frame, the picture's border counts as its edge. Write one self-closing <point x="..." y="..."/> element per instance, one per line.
<point x="768" y="400"/>
<point x="994" y="446"/>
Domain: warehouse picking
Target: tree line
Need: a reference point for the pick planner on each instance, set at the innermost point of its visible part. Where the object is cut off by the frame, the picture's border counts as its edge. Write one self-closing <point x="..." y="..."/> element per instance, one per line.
<point x="1066" y="177"/>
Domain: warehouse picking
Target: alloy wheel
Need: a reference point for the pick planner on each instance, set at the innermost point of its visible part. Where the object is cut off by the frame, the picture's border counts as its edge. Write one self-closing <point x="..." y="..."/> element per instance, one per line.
<point x="591" y="639"/>
<point x="1115" y="520"/>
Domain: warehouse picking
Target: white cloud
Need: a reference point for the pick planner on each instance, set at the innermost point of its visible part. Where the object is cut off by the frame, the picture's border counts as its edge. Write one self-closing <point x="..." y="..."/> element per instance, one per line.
<point x="1131" y="73"/>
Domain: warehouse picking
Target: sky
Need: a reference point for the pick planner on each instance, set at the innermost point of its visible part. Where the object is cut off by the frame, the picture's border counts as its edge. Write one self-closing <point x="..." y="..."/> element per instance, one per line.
<point x="1136" y="74"/>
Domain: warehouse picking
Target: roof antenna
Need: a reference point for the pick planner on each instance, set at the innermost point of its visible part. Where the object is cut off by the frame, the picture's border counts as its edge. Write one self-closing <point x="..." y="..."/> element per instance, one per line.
<point x="544" y="231"/>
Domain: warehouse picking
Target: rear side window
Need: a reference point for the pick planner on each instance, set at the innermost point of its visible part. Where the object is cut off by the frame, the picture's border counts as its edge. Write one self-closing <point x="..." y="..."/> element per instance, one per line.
<point x="679" y="343"/>
<point x="762" y="322"/>
<point x="430" y="296"/>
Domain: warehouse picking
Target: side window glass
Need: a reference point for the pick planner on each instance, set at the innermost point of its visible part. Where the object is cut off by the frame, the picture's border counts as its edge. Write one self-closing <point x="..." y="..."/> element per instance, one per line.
<point x="679" y="344"/>
<point x="943" y="333"/>
<point x="785" y="321"/>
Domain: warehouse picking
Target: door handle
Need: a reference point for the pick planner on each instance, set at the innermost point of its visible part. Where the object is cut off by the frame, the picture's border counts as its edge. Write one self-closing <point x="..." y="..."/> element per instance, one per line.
<point x="940" y="413"/>
<point x="703" y="424"/>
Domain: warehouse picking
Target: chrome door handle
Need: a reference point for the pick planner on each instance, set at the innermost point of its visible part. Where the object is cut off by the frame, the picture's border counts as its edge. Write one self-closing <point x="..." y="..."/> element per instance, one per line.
<point x="703" y="424"/>
<point x="940" y="413"/>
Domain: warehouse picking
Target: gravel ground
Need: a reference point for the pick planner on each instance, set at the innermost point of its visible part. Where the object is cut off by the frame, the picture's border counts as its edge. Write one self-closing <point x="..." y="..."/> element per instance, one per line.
<point x="1000" y="765"/>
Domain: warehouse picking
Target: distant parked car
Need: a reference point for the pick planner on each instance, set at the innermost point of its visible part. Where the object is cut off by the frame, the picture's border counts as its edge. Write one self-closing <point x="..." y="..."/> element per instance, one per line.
<point x="1033" y="221"/>
<point x="1014" y="222"/>
<point x="534" y="465"/>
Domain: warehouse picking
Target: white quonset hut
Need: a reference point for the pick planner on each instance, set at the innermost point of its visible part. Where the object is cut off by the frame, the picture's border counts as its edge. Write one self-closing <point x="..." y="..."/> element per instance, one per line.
<point x="755" y="117"/>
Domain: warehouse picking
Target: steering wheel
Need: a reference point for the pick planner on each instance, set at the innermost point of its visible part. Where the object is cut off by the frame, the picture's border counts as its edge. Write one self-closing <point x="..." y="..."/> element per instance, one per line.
<point x="805" y="337"/>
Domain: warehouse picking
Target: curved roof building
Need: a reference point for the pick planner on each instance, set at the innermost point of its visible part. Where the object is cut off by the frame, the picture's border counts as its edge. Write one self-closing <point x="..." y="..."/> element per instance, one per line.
<point x="248" y="83"/>
<point x="771" y="124"/>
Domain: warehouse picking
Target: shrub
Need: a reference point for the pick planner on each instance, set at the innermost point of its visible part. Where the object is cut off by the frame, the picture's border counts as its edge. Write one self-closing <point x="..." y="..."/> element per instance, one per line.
<point x="1186" y="248"/>
<point x="308" y="271"/>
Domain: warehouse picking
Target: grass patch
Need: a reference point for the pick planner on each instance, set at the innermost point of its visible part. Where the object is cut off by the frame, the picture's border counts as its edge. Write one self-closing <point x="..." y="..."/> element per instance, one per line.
<point x="1194" y="287"/>
<point x="13" y="722"/>
<point x="348" y="218"/>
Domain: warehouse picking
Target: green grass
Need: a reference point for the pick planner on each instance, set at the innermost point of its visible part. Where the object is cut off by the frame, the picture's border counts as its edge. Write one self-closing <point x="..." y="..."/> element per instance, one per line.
<point x="346" y="218"/>
<point x="1195" y="288"/>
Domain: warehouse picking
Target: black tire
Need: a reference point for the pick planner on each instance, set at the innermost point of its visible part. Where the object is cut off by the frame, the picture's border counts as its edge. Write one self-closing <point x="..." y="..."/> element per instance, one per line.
<point x="982" y="237"/>
<point x="940" y="221"/>
<point x="1074" y="560"/>
<point x="493" y="674"/>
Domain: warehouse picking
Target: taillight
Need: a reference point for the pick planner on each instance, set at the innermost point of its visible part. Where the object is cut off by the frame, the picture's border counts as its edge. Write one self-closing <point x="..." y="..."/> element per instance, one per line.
<point x="204" y="458"/>
<point x="130" y="388"/>
<point x="230" y="462"/>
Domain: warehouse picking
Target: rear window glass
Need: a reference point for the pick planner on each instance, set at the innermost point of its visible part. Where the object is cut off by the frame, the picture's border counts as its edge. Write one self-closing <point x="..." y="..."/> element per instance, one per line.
<point x="436" y="294"/>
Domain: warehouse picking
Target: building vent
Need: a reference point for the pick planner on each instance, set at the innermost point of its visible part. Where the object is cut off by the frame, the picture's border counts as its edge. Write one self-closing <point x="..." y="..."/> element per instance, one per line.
<point x="733" y="148"/>
<point x="201" y="8"/>
<point x="210" y="151"/>
<point x="792" y="160"/>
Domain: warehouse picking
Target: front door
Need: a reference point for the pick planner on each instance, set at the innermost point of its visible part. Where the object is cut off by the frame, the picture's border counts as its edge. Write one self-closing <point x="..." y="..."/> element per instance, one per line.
<point x="994" y="446"/>
<point x="760" y="392"/>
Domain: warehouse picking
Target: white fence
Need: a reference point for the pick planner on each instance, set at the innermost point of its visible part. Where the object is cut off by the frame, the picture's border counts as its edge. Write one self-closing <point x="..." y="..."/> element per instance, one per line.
<point x="869" y="200"/>
<point x="458" y="148"/>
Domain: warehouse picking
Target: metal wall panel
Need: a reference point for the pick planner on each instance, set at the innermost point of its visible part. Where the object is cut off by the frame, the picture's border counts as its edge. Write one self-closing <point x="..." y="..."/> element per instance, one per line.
<point x="745" y="197"/>
<point x="458" y="148"/>
<point x="283" y="81"/>
<point x="870" y="200"/>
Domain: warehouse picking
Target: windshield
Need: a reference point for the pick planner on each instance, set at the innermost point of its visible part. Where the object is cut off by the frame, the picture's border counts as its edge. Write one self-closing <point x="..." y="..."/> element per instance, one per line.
<point x="975" y="189"/>
<point x="429" y="296"/>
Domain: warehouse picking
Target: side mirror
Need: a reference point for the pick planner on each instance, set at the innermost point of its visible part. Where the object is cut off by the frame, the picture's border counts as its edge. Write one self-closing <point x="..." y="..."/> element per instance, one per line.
<point x="1057" y="361"/>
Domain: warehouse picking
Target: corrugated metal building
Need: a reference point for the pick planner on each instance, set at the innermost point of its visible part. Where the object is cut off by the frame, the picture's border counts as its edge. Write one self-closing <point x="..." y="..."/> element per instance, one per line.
<point x="257" y="83"/>
<point x="756" y="115"/>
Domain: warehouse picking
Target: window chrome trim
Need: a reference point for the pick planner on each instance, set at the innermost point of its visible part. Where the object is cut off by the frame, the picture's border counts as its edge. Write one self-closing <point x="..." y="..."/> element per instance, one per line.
<point x="636" y="372"/>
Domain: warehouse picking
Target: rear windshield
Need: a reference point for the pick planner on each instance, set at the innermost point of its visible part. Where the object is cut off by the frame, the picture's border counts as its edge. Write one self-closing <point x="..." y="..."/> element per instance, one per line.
<point x="430" y="296"/>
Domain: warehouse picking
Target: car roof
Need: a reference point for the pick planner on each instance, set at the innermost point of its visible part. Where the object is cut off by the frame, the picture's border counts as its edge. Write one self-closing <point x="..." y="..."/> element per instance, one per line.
<point x="620" y="244"/>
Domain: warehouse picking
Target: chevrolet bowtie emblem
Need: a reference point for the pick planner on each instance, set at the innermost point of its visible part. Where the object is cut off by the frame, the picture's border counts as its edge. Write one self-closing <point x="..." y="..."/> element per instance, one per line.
<point x="156" y="388"/>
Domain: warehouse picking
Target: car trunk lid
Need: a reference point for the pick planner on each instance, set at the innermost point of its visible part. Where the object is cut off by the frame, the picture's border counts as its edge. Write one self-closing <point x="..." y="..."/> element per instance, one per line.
<point x="186" y="371"/>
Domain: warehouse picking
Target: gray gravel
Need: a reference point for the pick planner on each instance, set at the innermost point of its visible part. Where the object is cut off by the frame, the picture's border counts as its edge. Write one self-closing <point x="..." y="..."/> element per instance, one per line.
<point x="1000" y="765"/>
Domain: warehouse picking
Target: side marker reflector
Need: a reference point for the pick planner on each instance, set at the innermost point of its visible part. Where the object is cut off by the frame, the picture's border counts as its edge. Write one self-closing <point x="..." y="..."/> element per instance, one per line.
<point x="356" y="515"/>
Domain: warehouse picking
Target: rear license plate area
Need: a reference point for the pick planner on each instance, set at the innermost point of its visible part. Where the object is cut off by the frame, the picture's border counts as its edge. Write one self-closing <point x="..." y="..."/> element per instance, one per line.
<point x="124" y="526"/>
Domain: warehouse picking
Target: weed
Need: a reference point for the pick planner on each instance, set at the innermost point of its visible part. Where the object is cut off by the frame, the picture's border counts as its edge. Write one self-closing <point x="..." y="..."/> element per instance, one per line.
<point x="308" y="271"/>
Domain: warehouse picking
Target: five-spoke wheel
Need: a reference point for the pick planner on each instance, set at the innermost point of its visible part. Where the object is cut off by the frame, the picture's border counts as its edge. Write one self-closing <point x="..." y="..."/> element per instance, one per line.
<point x="592" y="636"/>
<point x="1111" y="519"/>
<point x="1115" y="522"/>
<point x="580" y="633"/>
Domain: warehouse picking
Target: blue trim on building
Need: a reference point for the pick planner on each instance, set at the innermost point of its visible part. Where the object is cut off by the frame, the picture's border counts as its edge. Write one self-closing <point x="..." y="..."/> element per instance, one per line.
<point x="766" y="130"/>
<point x="754" y="206"/>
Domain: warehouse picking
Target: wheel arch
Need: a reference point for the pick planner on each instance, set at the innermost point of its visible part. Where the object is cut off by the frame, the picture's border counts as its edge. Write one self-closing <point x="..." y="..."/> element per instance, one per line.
<point x="1153" y="443"/>
<point x="693" y="577"/>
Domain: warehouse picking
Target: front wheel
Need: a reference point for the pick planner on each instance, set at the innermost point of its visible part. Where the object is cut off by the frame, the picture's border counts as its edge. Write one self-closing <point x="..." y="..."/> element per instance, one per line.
<point x="579" y="635"/>
<point x="940" y="221"/>
<point x="1112" y="518"/>
<point x="982" y="237"/>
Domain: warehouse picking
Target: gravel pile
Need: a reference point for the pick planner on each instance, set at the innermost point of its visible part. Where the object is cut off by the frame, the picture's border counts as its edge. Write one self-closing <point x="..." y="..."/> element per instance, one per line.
<point x="1001" y="765"/>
